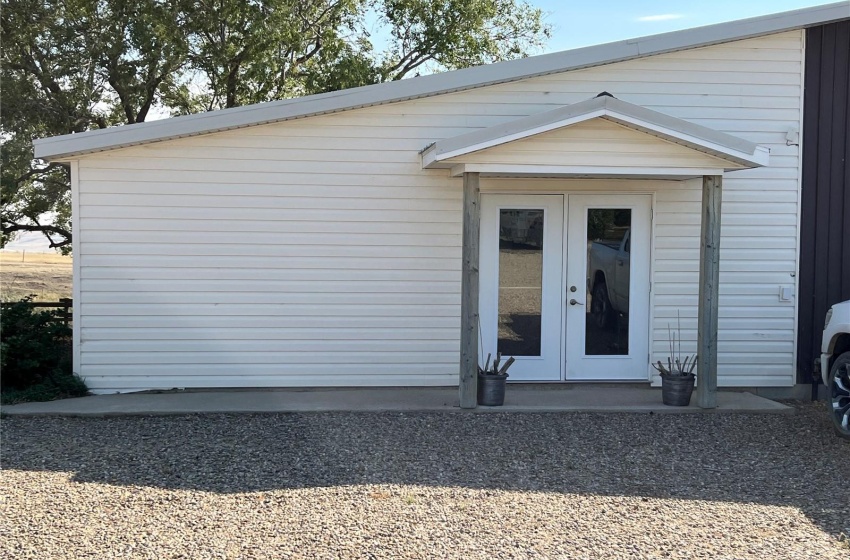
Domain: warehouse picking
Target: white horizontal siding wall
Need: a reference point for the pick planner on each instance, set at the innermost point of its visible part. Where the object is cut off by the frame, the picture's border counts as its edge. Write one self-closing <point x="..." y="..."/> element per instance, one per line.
<point x="318" y="252"/>
<point x="207" y="263"/>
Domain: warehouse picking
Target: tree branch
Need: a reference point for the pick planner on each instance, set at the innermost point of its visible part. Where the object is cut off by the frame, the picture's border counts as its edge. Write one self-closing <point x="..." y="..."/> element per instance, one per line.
<point x="37" y="171"/>
<point x="46" y="230"/>
<point x="411" y="64"/>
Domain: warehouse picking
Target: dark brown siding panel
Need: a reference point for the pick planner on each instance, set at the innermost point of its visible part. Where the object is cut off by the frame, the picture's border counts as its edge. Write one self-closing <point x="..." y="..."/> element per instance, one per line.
<point x="825" y="212"/>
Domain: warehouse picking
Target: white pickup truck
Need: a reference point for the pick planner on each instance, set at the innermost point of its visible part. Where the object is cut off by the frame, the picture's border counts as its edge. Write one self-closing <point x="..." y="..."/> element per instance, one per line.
<point x="608" y="278"/>
<point x="834" y="365"/>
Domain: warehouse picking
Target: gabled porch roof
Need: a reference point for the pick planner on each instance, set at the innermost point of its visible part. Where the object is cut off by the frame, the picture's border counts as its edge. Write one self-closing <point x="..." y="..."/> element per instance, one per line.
<point x="671" y="147"/>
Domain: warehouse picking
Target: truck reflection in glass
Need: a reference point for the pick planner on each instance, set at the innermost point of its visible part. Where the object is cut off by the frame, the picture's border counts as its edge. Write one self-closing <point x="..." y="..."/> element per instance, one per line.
<point x="608" y="250"/>
<point x="520" y="281"/>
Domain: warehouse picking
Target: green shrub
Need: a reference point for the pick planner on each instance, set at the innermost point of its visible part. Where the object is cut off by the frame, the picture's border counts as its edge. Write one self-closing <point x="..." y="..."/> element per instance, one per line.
<point x="35" y="355"/>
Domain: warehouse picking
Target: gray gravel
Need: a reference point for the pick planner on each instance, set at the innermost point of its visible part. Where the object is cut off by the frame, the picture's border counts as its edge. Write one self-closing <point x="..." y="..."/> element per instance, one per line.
<point x="426" y="485"/>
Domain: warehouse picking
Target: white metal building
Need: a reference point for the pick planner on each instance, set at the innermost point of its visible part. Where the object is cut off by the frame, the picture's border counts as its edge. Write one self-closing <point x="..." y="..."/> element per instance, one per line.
<point x="319" y="241"/>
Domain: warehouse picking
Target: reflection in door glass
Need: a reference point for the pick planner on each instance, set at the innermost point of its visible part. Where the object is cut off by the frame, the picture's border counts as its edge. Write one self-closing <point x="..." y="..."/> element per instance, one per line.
<point x="520" y="281"/>
<point x="607" y="309"/>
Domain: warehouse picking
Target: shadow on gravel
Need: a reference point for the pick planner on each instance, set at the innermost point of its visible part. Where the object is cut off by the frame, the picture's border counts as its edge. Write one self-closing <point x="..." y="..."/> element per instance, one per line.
<point x="785" y="460"/>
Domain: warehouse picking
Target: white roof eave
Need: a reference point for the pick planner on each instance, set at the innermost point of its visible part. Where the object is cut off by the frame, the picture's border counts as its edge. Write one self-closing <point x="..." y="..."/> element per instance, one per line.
<point x="64" y="148"/>
<point x="738" y="151"/>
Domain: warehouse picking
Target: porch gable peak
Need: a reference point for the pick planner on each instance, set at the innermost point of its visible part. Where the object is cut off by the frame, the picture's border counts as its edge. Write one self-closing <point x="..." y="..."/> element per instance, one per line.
<point x="718" y="150"/>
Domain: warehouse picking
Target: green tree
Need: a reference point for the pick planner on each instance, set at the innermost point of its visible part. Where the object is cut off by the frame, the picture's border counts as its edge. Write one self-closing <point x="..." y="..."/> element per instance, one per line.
<point x="74" y="65"/>
<point x="245" y="52"/>
<point x="452" y="34"/>
<point x="252" y="52"/>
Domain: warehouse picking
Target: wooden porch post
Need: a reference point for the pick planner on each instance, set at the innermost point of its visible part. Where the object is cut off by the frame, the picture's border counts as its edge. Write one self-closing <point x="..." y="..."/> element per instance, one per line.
<point x="469" y="292"/>
<point x="709" y="290"/>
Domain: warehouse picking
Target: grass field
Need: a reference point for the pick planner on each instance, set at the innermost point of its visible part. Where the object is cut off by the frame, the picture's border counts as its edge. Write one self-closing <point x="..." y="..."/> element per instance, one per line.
<point x="46" y="275"/>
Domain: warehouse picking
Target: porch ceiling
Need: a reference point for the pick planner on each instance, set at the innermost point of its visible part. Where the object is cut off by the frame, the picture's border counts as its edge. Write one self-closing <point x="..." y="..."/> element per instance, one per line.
<point x="600" y="137"/>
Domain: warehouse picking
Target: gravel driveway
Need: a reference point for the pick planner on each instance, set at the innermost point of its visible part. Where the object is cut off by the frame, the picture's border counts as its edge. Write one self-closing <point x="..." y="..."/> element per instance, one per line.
<point x="426" y="485"/>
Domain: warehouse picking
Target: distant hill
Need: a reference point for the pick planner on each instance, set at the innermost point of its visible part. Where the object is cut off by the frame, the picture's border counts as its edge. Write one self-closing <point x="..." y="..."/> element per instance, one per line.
<point x="31" y="242"/>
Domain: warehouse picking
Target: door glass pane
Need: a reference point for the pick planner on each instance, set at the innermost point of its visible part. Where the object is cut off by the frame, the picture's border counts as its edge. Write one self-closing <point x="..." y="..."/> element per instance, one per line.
<point x="607" y="307"/>
<point x="520" y="281"/>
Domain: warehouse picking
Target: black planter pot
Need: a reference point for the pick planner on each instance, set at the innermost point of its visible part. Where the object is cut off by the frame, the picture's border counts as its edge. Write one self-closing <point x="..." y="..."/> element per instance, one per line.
<point x="491" y="390"/>
<point x="676" y="390"/>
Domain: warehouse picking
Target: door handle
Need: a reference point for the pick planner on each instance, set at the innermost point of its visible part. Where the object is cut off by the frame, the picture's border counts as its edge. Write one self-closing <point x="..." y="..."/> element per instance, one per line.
<point x="574" y="302"/>
<point x="619" y="262"/>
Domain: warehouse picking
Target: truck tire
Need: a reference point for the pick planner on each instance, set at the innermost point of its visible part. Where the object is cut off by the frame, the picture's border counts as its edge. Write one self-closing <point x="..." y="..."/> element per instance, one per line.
<point x="600" y="305"/>
<point x="839" y="395"/>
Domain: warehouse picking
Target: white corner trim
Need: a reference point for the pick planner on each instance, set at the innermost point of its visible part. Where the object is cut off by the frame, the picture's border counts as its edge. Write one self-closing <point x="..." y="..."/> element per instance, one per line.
<point x="798" y="238"/>
<point x="76" y="289"/>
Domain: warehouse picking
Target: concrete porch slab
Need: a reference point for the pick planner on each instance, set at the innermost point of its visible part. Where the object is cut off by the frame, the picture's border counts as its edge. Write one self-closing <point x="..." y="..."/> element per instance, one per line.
<point x="520" y="398"/>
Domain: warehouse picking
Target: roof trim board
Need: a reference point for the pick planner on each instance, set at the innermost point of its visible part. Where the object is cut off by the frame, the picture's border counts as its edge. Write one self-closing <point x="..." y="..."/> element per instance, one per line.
<point x="730" y="148"/>
<point x="64" y="148"/>
<point x="584" y="171"/>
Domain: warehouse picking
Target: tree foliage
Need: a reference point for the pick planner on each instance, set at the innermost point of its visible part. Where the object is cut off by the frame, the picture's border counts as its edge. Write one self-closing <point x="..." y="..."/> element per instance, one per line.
<point x="255" y="51"/>
<point x="456" y="34"/>
<point x="74" y="65"/>
<point x="69" y="66"/>
<point x="35" y="355"/>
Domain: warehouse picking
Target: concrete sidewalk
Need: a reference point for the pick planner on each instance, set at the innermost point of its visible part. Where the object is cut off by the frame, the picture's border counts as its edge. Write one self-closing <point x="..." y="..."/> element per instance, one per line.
<point x="520" y="398"/>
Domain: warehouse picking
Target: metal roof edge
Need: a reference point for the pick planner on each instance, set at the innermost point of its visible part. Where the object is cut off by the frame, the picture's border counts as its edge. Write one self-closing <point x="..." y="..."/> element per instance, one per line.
<point x="518" y="129"/>
<point x="67" y="146"/>
<point x="682" y="126"/>
<point x="634" y="116"/>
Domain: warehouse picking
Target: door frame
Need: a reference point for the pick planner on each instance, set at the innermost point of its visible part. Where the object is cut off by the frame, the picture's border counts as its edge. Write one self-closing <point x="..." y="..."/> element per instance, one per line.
<point x="607" y="187"/>
<point x="489" y="283"/>
<point x="650" y="270"/>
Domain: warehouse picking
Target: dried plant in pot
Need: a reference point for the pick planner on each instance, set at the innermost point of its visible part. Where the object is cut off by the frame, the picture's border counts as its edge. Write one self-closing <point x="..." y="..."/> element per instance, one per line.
<point x="677" y="376"/>
<point x="492" y="380"/>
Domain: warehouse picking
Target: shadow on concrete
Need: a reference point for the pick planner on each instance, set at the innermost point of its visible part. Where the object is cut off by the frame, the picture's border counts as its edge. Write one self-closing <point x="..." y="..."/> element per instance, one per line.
<point x="519" y="334"/>
<point x="785" y="460"/>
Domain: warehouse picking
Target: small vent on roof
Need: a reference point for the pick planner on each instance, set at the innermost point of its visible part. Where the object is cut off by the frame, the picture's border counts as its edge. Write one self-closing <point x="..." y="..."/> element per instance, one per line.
<point x="605" y="94"/>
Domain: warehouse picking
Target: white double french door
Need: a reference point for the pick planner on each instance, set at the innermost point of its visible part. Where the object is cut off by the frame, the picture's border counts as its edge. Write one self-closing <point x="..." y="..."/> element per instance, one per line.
<point x="564" y="285"/>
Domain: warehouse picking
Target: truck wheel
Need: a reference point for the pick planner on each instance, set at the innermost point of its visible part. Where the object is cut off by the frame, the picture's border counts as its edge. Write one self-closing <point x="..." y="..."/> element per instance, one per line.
<point x="600" y="305"/>
<point x="839" y="394"/>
